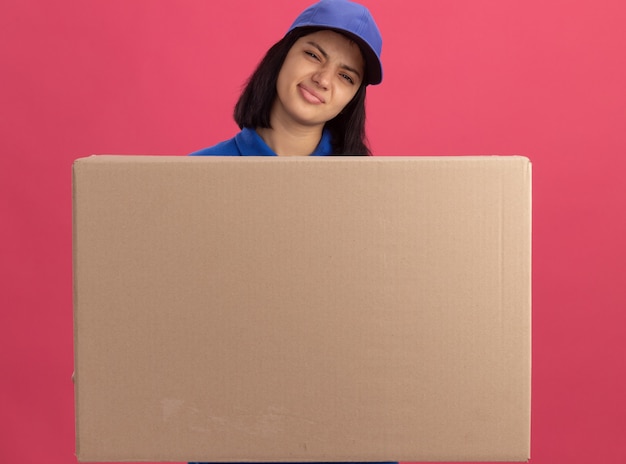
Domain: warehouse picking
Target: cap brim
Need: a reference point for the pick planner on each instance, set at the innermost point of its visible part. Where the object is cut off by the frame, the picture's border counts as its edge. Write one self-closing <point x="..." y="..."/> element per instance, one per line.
<point x="374" y="69"/>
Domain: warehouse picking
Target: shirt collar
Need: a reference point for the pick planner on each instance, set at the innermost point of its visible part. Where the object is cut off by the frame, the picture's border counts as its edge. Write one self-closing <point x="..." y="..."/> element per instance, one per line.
<point x="251" y="144"/>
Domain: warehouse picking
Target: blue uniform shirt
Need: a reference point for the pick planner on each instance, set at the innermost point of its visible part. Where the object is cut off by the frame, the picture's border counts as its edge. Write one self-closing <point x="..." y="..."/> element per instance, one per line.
<point x="249" y="143"/>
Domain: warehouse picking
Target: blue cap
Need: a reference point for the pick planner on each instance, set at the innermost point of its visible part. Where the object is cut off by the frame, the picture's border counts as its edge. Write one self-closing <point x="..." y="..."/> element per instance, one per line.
<point x="353" y="20"/>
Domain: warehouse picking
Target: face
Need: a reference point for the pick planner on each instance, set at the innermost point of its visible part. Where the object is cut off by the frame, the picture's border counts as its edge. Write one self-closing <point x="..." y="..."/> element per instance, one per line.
<point x="319" y="77"/>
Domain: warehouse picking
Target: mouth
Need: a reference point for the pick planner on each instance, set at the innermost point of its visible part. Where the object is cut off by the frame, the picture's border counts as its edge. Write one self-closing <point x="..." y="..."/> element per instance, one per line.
<point x="311" y="95"/>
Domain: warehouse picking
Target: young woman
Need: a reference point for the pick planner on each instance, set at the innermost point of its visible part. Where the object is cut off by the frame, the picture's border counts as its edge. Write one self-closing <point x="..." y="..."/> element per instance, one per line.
<point x="307" y="96"/>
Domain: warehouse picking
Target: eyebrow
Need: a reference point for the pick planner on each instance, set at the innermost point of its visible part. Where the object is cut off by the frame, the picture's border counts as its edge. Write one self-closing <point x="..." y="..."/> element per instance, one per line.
<point x="325" y="55"/>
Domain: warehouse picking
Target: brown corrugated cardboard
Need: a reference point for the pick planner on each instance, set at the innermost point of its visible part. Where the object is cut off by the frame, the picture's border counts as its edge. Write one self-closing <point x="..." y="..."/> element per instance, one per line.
<point x="302" y="309"/>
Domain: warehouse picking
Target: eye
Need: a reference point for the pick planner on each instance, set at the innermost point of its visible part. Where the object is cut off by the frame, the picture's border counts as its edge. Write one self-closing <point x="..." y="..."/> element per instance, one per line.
<point x="312" y="55"/>
<point x="347" y="78"/>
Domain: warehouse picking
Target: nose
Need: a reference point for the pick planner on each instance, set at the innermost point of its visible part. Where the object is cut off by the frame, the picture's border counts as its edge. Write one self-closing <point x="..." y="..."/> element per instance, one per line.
<point x="322" y="77"/>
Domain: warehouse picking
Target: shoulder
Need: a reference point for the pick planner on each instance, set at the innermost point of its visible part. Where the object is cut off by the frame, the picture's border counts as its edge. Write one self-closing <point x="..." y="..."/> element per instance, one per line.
<point x="226" y="148"/>
<point x="245" y="143"/>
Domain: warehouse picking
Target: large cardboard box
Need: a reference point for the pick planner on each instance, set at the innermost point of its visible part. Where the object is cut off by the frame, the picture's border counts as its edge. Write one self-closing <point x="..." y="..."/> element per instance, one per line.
<point x="302" y="309"/>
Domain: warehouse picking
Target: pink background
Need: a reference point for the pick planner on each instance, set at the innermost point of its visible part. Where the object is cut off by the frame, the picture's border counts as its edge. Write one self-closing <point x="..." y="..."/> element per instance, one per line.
<point x="542" y="78"/>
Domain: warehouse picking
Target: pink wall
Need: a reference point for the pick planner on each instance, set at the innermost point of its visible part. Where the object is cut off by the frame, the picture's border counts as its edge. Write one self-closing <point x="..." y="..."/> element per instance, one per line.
<point x="545" y="79"/>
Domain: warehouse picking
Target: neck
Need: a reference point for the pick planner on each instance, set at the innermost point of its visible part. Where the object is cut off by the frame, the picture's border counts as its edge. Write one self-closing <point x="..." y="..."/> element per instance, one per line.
<point x="291" y="139"/>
